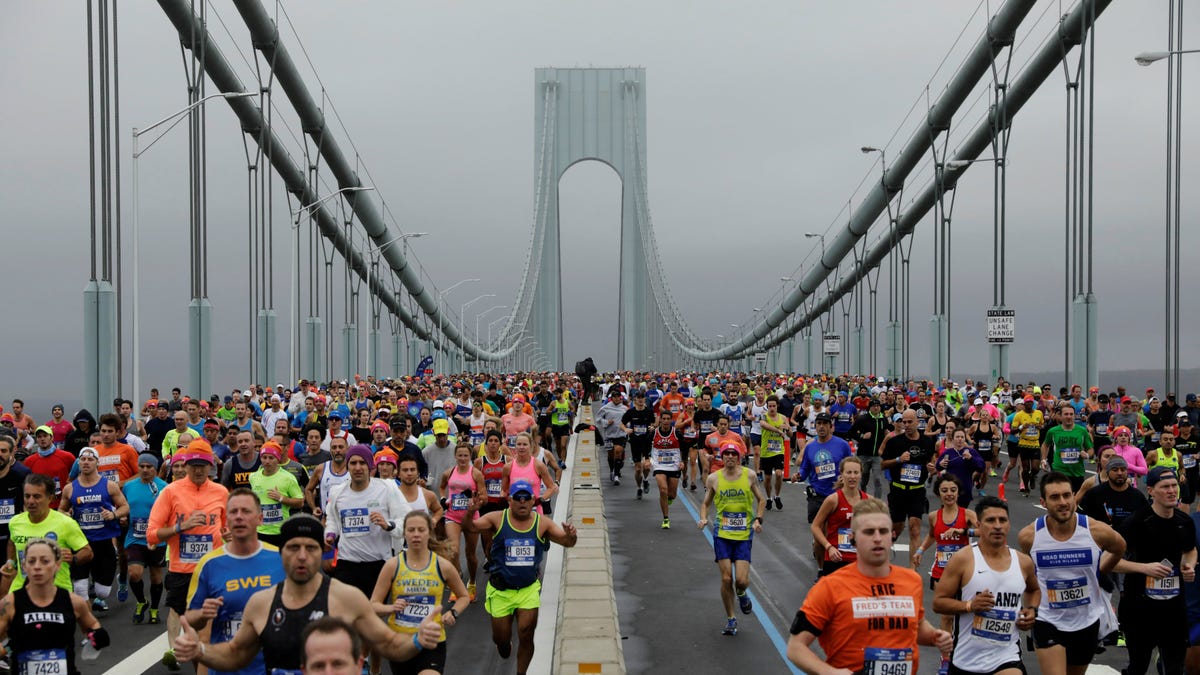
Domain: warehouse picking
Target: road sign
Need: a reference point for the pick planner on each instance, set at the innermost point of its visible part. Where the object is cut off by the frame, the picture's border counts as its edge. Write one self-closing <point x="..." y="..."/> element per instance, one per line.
<point x="1001" y="326"/>
<point x="831" y="344"/>
<point x="760" y="358"/>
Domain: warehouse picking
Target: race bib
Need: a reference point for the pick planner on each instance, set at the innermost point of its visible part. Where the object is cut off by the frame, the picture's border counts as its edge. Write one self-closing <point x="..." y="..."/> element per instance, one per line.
<point x="272" y="513"/>
<point x="1067" y="593"/>
<point x="493" y="487"/>
<point x="826" y="471"/>
<point x="89" y="519"/>
<point x="640" y="429"/>
<point x="1165" y="588"/>
<point x="139" y="526"/>
<point x="561" y="417"/>
<point x="706" y="426"/>
<point x="775" y="445"/>
<point x="943" y="553"/>
<point x="733" y="521"/>
<point x="476" y="437"/>
<point x="910" y="473"/>
<point x="459" y="502"/>
<point x="1068" y="455"/>
<point x="8" y="509"/>
<point x="985" y="446"/>
<point x="996" y="625"/>
<point x="1101" y="429"/>
<point x="1189" y="461"/>
<point x="233" y="625"/>
<point x="418" y="607"/>
<point x="845" y="543"/>
<point x="43" y="662"/>
<point x="355" y="522"/>
<point x="111" y="475"/>
<point x="193" y="547"/>
<point x="511" y="440"/>
<point x="520" y="552"/>
<point x="1154" y="437"/>
<point x="1030" y="431"/>
<point x="878" y="661"/>
<point x="668" y="457"/>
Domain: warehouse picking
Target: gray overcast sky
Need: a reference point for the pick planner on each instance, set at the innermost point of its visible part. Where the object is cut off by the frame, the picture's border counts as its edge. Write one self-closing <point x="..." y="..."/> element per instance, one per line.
<point x="756" y="113"/>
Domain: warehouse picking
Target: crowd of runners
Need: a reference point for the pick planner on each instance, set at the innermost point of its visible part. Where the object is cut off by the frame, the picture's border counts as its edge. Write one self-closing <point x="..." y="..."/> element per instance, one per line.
<point x="352" y="516"/>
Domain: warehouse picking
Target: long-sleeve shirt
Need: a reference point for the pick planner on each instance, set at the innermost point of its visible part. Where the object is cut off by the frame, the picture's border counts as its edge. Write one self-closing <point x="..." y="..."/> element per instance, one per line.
<point x="349" y="519"/>
<point x="608" y="420"/>
<point x="1134" y="458"/>
<point x="175" y="504"/>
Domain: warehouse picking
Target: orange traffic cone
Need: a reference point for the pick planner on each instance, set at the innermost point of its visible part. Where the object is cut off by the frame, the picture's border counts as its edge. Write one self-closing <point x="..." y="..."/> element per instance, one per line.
<point x="1000" y="494"/>
<point x="787" y="459"/>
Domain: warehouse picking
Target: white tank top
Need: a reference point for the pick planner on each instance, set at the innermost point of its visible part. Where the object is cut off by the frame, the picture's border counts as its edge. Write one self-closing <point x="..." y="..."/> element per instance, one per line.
<point x="758" y="411"/>
<point x="984" y="642"/>
<point x="418" y="504"/>
<point x="330" y="480"/>
<point x="1066" y="572"/>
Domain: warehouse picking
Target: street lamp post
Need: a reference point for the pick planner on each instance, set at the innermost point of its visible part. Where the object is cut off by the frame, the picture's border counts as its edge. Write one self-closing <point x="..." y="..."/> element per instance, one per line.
<point x="482" y="314"/>
<point x="137" y="153"/>
<point x="374" y="337"/>
<point x="462" y="326"/>
<point x="314" y="325"/>
<point x="442" y="314"/>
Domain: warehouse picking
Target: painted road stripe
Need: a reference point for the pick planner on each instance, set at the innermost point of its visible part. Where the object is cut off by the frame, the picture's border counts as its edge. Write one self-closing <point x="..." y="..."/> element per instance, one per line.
<point x="772" y="633"/>
<point x="143" y="659"/>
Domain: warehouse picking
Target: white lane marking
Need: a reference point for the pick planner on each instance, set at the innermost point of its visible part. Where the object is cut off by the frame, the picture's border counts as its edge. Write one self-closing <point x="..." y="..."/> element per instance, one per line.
<point x="1102" y="670"/>
<point x="143" y="659"/>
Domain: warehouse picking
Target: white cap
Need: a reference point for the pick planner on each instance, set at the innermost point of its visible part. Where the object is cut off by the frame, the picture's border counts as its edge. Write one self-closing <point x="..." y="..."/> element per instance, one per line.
<point x="978" y="401"/>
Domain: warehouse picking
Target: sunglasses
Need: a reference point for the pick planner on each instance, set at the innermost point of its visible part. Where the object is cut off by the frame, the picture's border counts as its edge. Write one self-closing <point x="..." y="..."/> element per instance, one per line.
<point x="522" y="497"/>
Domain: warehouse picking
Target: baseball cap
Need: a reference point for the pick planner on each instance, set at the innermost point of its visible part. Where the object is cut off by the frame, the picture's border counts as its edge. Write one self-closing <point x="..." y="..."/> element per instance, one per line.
<point x="441" y="427"/>
<point x="1159" y="473"/>
<point x="197" y="451"/>
<point x="822" y="417"/>
<point x="47" y="430"/>
<point x="387" y="456"/>
<point x="1190" y="398"/>
<point x="520" y="486"/>
<point x="978" y="401"/>
<point x="1126" y="399"/>
<point x="301" y="526"/>
<point x="1028" y="399"/>
<point x="335" y="416"/>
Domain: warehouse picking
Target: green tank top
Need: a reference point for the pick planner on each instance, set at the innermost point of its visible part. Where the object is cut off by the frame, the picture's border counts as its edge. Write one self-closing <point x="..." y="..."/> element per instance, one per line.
<point x="1171" y="462"/>
<point x="772" y="442"/>
<point x="734" y="503"/>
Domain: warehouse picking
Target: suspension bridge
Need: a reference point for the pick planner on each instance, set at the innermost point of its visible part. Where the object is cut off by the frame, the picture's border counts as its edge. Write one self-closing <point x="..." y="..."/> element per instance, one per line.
<point x="827" y="316"/>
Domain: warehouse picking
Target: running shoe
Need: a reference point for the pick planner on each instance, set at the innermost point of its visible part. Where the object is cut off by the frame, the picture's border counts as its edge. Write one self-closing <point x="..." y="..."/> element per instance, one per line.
<point x="730" y="627"/>
<point x="122" y="591"/>
<point x="646" y="484"/>
<point x="666" y="524"/>
<point x="170" y="661"/>
<point x="139" y="613"/>
<point x="1004" y="479"/>
<point x="770" y="504"/>
<point x="99" y="605"/>
<point x="639" y="494"/>
<point x="992" y="473"/>
<point x="778" y="503"/>
<point x="685" y="482"/>
<point x="670" y="501"/>
<point x="154" y="615"/>
<point x="471" y="590"/>
<point x="744" y="603"/>
<point x="692" y="487"/>
<point x="1022" y="488"/>
<point x="616" y="479"/>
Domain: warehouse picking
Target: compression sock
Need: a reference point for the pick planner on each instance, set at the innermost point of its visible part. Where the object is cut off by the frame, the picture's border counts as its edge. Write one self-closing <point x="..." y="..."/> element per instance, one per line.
<point x="156" y="591"/>
<point x="139" y="590"/>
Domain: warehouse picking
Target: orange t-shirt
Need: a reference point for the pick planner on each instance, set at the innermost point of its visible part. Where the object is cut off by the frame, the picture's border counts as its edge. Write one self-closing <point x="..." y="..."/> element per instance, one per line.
<point x="118" y="462"/>
<point x="672" y="403"/>
<point x="865" y="618"/>
<point x="175" y="504"/>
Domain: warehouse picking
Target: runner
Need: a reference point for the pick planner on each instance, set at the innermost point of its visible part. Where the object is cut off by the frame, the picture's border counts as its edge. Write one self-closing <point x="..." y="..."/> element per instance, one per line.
<point x="39" y="520"/>
<point x="667" y="464"/>
<point x="1161" y="550"/>
<point x="988" y="610"/>
<point x="411" y="586"/>
<point x="638" y="423"/>
<point x="326" y="476"/>
<point x="235" y="473"/>
<point x="1066" y="548"/>
<point x="908" y="456"/>
<point x="1113" y="499"/>
<point x="49" y="460"/>
<point x="831" y="526"/>
<point x="491" y="465"/>
<point x="332" y="647"/>
<point x="415" y="495"/>
<point x="950" y="527"/>
<point x="277" y="491"/>
<point x="962" y="462"/>
<point x="98" y="505"/>
<point x="705" y="419"/>
<point x="188" y="516"/>
<point x="869" y="432"/>
<point x="141" y="492"/>
<point x="1066" y="447"/>
<point x="226" y="577"/>
<point x="532" y="470"/>
<point x="273" y="621"/>
<point x="562" y="412"/>
<point x="733" y="493"/>
<point x="1027" y="425"/>
<point x="608" y="421"/>
<point x="39" y="619"/>
<point x="715" y="441"/>
<point x="520" y="539"/>
<point x="869" y="617"/>
<point x="460" y="484"/>
<point x="773" y="432"/>
<point x="819" y="468"/>
<point x="12" y="480"/>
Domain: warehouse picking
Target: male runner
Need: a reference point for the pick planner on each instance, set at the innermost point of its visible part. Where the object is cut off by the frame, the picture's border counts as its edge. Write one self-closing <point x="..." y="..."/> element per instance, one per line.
<point x="1066" y="446"/>
<point x="1027" y="426"/>
<point x="141" y="493"/>
<point x="519" y="541"/>
<point x="1161" y="551"/>
<point x="774" y="430"/>
<point x="225" y="578"/>
<point x="236" y="472"/>
<point x="908" y="457"/>
<point x="819" y="468"/>
<point x="278" y="493"/>
<point x="638" y="424"/>
<point x="666" y="461"/>
<point x="1066" y="548"/>
<point x="38" y="520"/>
<point x="705" y="419"/>
<point x="327" y="476"/>
<point x="98" y="505"/>
<point x="992" y="592"/>
<point x="733" y="493"/>
<point x="332" y="647"/>
<point x="869" y="617"/>
<point x="274" y="618"/>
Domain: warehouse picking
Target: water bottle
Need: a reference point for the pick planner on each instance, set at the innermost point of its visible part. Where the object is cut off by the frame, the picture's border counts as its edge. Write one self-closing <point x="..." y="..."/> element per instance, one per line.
<point x="88" y="652"/>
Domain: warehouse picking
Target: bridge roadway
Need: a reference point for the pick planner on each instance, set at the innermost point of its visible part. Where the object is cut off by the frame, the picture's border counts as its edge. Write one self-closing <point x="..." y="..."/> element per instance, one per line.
<point x="667" y="596"/>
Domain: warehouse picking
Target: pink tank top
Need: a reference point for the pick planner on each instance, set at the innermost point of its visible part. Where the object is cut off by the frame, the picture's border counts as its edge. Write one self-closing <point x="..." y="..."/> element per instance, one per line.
<point x="527" y="473"/>
<point x="456" y="502"/>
